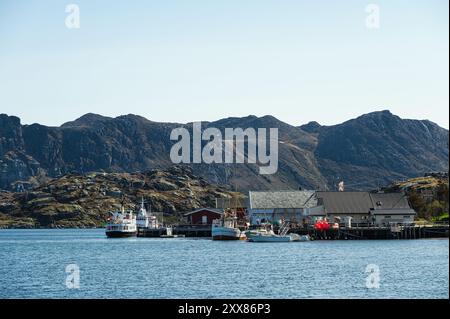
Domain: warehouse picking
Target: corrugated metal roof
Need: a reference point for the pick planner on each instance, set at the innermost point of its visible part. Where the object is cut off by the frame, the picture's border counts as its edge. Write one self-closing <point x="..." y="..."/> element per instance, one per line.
<point x="282" y="199"/>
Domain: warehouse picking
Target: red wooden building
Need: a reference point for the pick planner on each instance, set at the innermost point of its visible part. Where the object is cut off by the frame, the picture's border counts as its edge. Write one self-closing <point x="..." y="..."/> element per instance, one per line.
<point x="203" y="216"/>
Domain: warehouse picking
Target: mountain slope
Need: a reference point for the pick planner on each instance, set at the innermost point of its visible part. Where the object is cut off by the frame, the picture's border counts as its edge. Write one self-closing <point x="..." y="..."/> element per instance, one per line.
<point x="382" y="146"/>
<point x="369" y="151"/>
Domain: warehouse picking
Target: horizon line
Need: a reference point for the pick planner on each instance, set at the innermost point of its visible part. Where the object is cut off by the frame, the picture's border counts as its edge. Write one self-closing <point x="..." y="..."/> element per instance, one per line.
<point x="219" y="119"/>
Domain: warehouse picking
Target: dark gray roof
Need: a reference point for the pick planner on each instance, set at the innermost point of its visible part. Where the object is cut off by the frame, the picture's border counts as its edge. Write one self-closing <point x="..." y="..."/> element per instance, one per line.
<point x="361" y="202"/>
<point x="390" y="201"/>
<point x="345" y="202"/>
<point x="282" y="199"/>
<point x="401" y="211"/>
<point x="214" y="210"/>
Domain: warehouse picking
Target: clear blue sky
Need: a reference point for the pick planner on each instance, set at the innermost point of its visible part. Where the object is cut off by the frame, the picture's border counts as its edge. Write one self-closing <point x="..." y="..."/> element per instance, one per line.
<point x="182" y="61"/>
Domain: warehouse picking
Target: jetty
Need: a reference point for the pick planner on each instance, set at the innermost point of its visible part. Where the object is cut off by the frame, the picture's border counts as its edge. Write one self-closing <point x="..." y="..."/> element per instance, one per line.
<point x="366" y="233"/>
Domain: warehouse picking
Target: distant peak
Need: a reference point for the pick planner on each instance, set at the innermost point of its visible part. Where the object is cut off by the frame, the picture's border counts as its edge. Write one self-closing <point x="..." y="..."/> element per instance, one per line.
<point x="91" y="116"/>
<point x="378" y="116"/>
<point x="311" y="127"/>
<point x="133" y="117"/>
<point x="7" y="120"/>
<point x="379" y="113"/>
<point x="86" y="119"/>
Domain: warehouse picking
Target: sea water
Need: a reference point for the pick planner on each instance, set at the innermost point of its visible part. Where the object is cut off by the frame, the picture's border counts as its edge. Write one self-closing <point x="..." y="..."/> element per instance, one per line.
<point x="44" y="263"/>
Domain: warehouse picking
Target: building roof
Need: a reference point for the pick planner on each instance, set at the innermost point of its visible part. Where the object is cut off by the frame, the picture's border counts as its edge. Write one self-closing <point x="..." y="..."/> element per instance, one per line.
<point x="345" y="202"/>
<point x="282" y="199"/>
<point x="213" y="210"/>
<point x="361" y="202"/>
<point x="402" y="211"/>
<point x="389" y="201"/>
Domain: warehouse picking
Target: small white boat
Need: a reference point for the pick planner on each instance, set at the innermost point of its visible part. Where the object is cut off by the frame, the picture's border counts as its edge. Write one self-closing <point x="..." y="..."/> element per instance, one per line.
<point x="269" y="238"/>
<point x="296" y="237"/>
<point x="265" y="229"/>
<point x="265" y="233"/>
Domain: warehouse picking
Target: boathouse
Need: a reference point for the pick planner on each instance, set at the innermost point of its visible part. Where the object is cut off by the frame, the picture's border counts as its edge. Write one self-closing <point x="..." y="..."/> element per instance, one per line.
<point x="365" y="209"/>
<point x="203" y="216"/>
<point x="292" y="206"/>
<point x="391" y="208"/>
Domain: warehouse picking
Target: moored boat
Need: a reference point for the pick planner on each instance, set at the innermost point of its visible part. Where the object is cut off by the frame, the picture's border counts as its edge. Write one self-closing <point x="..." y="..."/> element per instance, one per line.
<point x="226" y="229"/>
<point x="121" y="224"/>
<point x="265" y="228"/>
<point x="270" y="238"/>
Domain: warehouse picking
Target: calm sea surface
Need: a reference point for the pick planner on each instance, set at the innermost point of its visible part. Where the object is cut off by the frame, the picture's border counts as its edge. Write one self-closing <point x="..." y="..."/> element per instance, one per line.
<point x="33" y="265"/>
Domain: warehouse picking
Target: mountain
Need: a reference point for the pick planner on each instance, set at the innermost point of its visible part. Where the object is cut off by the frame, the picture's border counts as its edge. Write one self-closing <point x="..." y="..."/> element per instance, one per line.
<point x="367" y="152"/>
<point x="381" y="147"/>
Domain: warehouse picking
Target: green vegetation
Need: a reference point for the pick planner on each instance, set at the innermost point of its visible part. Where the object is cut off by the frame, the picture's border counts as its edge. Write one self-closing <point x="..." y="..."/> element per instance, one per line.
<point x="429" y="197"/>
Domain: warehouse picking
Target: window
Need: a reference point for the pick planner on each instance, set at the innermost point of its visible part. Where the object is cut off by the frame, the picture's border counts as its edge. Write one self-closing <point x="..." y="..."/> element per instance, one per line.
<point x="204" y="219"/>
<point x="387" y="217"/>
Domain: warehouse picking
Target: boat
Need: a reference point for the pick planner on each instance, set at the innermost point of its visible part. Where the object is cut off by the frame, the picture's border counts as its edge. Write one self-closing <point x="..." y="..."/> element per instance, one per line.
<point x="226" y="229"/>
<point x="265" y="228"/>
<point x="142" y="216"/>
<point x="270" y="238"/>
<point x="121" y="224"/>
<point x="265" y="233"/>
<point x="149" y="226"/>
<point x="296" y="237"/>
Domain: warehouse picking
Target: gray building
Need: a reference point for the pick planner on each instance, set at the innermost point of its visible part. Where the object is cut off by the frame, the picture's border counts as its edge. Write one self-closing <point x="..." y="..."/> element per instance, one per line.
<point x="271" y="206"/>
<point x="364" y="208"/>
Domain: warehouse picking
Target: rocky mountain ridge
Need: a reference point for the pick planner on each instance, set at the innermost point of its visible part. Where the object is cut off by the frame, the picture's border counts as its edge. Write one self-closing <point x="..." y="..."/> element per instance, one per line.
<point x="367" y="152"/>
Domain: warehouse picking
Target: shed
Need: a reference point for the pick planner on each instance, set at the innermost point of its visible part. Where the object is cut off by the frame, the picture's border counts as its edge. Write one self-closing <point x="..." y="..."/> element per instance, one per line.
<point x="203" y="216"/>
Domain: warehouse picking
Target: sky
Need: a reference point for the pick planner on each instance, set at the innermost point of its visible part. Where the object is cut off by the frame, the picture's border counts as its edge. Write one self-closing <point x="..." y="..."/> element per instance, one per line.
<point x="184" y="61"/>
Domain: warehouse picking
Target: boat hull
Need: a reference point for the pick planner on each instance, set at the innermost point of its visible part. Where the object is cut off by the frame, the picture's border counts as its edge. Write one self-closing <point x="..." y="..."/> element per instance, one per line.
<point x="270" y="239"/>
<point x="120" y="234"/>
<point x="226" y="233"/>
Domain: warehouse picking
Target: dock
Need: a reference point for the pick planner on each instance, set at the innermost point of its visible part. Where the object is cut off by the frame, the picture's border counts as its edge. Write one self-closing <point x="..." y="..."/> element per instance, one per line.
<point x="367" y="233"/>
<point x="189" y="230"/>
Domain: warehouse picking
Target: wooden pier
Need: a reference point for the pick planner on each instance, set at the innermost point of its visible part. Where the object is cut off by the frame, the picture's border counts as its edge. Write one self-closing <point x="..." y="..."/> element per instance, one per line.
<point x="399" y="232"/>
<point x="192" y="230"/>
<point x="353" y="233"/>
<point x="150" y="232"/>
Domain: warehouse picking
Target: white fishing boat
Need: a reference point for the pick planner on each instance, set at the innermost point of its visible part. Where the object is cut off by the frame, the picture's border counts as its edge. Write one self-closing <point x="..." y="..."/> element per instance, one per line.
<point x="149" y="225"/>
<point x="142" y="220"/>
<point x="121" y="224"/>
<point x="226" y="229"/>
